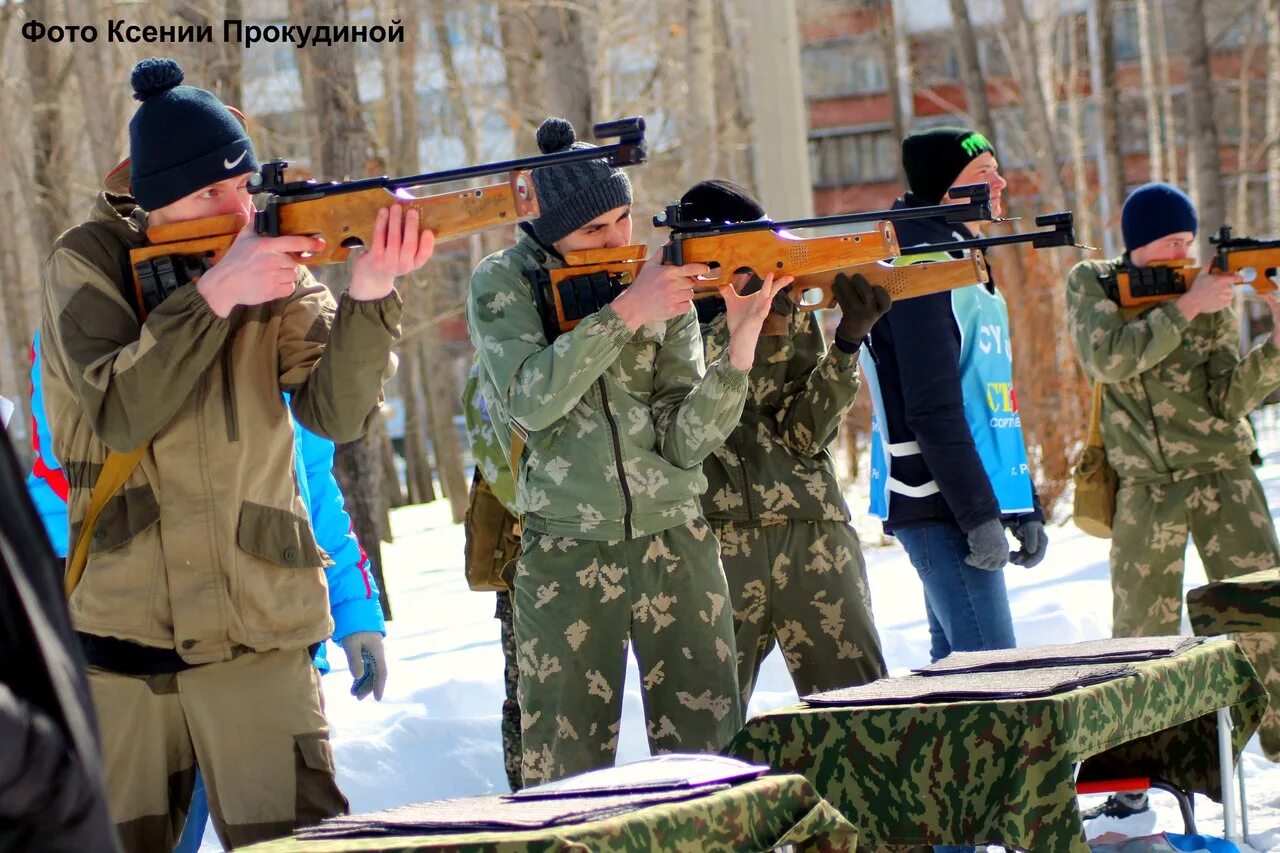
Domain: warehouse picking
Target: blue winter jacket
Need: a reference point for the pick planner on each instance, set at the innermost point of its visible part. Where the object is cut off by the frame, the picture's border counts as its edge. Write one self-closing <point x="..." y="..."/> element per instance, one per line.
<point x="353" y="592"/>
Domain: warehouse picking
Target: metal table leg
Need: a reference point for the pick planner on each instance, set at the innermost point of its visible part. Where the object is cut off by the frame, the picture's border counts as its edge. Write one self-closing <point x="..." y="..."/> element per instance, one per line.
<point x="1227" y="775"/>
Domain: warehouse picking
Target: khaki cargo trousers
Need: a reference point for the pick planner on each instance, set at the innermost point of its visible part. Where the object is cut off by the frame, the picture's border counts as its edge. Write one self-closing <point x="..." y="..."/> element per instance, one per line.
<point x="255" y="725"/>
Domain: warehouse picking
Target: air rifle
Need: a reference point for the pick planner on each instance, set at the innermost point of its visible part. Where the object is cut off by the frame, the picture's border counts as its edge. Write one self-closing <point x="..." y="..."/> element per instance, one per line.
<point x="342" y="213"/>
<point x="590" y="280"/>
<point x="813" y="291"/>
<point x="1256" y="261"/>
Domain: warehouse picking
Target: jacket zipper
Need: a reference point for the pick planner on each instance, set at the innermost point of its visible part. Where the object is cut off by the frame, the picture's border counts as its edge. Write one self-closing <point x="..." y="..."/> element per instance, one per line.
<point x="229" y="396"/>
<point x="746" y="480"/>
<point x="617" y="458"/>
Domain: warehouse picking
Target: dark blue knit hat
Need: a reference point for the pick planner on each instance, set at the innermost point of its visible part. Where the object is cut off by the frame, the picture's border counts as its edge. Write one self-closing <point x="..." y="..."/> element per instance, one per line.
<point x="182" y="138"/>
<point x="1156" y="210"/>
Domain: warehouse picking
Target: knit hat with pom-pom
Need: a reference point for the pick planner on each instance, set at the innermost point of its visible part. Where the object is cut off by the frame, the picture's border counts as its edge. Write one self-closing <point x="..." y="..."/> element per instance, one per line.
<point x="182" y="138"/>
<point x="572" y="194"/>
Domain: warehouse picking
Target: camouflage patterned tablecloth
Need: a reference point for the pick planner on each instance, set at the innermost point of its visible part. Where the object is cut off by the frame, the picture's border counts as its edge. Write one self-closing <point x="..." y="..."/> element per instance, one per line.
<point x="1001" y="771"/>
<point x="762" y="814"/>
<point x="1247" y="603"/>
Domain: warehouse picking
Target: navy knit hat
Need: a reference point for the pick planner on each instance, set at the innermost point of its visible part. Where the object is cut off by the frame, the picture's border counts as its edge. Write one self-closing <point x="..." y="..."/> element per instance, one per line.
<point x="182" y="138"/>
<point x="573" y="194"/>
<point x="935" y="157"/>
<point x="720" y="201"/>
<point x="1156" y="210"/>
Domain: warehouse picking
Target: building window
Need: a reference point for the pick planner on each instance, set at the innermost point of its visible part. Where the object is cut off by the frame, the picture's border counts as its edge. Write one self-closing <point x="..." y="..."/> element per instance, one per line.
<point x="837" y="69"/>
<point x="847" y="159"/>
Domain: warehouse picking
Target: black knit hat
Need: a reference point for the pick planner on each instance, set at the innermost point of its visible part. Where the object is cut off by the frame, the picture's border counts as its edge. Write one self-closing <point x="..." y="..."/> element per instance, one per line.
<point x="935" y="157"/>
<point x="720" y="201"/>
<point x="573" y="194"/>
<point x="182" y="138"/>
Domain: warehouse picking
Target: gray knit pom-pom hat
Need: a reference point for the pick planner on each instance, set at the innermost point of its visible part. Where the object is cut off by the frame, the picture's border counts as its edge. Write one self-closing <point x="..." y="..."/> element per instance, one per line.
<point x="573" y="194"/>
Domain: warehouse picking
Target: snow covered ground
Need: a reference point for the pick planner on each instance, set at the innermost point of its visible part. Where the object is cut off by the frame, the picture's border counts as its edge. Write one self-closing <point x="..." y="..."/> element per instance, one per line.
<point x="436" y="732"/>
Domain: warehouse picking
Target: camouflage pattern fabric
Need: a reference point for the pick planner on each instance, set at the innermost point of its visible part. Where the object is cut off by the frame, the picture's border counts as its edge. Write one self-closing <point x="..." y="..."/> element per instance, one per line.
<point x="1226" y="513"/>
<point x="1176" y="393"/>
<point x="762" y="814"/>
<point x="618" y="422"/>
<point x="802" y="584"/>
<point x="505" y="614"/>
<point x="577" y="604"/>
<point x="776" y="466"/>
<point x="1246" y="603"/>
<point x="487" y="452"/>
<point x="1001" y="771"/>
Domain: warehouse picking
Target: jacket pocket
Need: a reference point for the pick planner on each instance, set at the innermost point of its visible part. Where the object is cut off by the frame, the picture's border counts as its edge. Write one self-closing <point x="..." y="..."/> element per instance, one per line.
<point x="279" y="583"/>
<point x="278" y="536"/>
<point x="127" y="514"/>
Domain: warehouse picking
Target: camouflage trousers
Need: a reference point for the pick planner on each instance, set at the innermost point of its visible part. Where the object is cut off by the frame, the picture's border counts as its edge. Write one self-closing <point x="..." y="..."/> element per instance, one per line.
<point x="505" y="614"/>
<point x="578" y="603"/>
<point x="803" y="585"/>
<point x="1226" y="513"/>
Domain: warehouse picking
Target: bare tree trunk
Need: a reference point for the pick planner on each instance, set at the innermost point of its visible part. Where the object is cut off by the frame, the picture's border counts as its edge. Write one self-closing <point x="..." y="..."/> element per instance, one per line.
<point x="417" y="461"/>
<point x="443" y="401"/>
<point x="1081" y="202"/>
<point x="735" y="123"/>
<point x="975" y="86"/>
<point x="1032" y="88"/>
<point x="1150" y="92"/>
<point x="889" y="52"/>
<point x="339" y="152"/>
<point x="701" y="160"/>
<point x="104" y="122"/>
<point x="1202" y="129"/>
<point x="1109" y="111"/>
<point x="1273" y="115"/>
<point x="47" y="73"/>
<point x="561" y="35"/>
<point x="1244" y="167"/>
<point x="526" y="100"/>
<point x="1171" y="165"/>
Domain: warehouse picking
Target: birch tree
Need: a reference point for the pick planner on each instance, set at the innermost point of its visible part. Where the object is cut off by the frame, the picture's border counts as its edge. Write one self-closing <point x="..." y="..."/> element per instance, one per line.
<point x="1202" y="130"/>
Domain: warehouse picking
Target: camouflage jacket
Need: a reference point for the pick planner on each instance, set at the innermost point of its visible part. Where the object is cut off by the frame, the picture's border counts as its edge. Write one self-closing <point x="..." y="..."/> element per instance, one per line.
<point x="775" y="466"/>
<point x="208" y="548"/>
<point x="490" y="458"/>
<point x="1176" y="393"/>
<point x="617" y="422"/>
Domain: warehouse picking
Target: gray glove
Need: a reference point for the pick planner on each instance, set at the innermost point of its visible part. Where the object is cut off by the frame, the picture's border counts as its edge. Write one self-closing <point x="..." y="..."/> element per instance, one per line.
<point x="988" y="546"/>
<point x="1034" y="543"/>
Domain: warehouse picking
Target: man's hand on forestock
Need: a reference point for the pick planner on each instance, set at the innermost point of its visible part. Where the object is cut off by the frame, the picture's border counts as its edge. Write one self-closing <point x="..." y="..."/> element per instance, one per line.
<point x="659" y="292"/>
<point x="254" y="270"/>
<point x="1209" y="293"/>
<point x="861" y="305"/>
<point x="744" y="315"/>
<point x="357" y="646"/>
<point x="399" y="247"/>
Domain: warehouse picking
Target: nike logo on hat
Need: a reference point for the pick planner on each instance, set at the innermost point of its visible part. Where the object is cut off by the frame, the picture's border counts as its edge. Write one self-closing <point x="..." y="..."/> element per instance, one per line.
<point x="231" y="164"/>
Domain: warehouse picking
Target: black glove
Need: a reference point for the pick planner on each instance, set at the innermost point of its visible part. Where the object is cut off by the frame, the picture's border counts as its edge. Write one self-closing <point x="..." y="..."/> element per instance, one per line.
<point x="861" y="304"/>
<point x="988" y="546"/>
<point x="1034" y="543"/>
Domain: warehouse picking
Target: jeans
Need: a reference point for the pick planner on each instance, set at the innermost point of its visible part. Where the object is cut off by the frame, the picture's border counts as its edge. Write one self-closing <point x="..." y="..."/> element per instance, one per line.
<point x="197" y="817"/>
<point x="967" y="607"/>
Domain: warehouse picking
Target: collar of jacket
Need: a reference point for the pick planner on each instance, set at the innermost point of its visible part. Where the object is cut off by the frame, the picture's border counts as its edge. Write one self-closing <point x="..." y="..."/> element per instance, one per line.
<point x="122" y="215"/>
<point x="913" y="232"/>
<point x="528" y="243"/>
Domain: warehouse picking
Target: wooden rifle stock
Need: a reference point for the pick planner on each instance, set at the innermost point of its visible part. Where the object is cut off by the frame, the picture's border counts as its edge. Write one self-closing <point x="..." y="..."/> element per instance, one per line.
<point x="617" y="269"/>
<point x="765" y="251"/>
<point x="813" y="292"/>
<point x="1165" y="281"/>
<point x="344" y="221"/>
